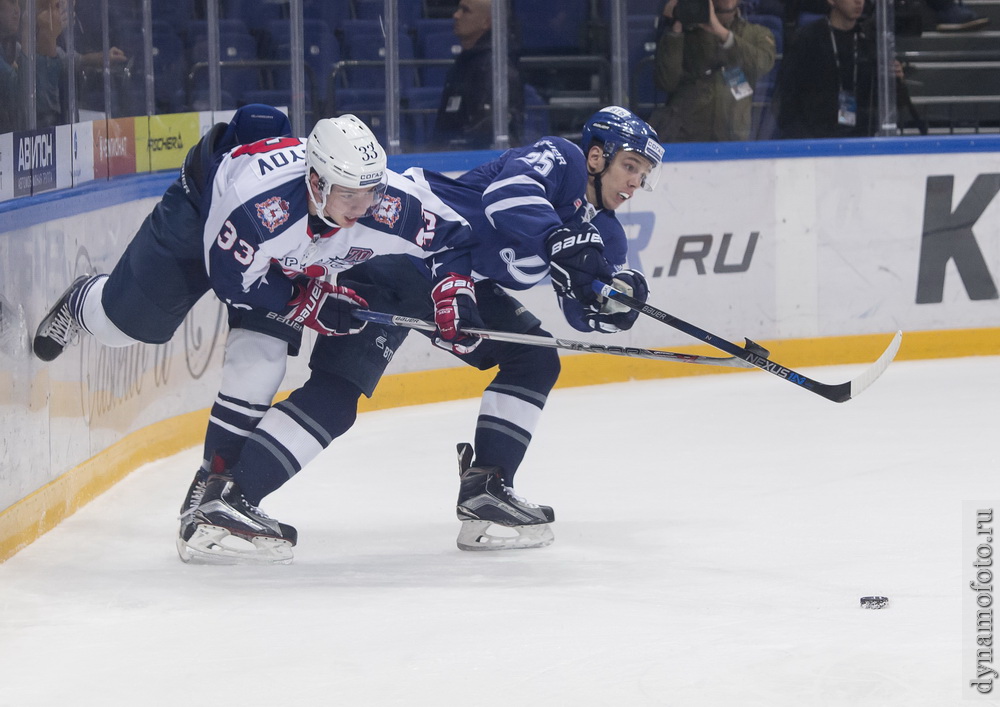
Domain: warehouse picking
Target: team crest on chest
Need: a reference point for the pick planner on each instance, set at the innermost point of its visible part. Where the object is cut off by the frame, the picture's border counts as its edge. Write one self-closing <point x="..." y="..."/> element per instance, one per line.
<point x="388" y="210"/>
<point x="273" y="212"/>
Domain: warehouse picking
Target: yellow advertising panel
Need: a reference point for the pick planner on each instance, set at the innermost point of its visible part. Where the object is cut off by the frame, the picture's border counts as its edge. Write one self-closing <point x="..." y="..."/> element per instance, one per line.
<point x="170" y="138"/>
<point x="141" y="144"/>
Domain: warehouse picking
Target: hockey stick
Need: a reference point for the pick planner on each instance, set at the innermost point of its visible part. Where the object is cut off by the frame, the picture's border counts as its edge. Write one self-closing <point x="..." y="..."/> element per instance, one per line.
<point x="565" y="344"/>
<point x="838" y="393"/>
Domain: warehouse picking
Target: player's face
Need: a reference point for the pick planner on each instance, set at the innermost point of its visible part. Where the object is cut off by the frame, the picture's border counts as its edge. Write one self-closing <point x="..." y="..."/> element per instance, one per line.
<point x="625" y="174"/>
<point x="345" y="206"/>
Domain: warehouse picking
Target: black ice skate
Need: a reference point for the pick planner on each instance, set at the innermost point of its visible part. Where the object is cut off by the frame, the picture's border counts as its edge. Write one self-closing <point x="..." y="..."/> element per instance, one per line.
<point x="486" y="504"/>
<point x="225" y="528"/>
<point x="59" y="328"/>
<point x="195" y="492"/>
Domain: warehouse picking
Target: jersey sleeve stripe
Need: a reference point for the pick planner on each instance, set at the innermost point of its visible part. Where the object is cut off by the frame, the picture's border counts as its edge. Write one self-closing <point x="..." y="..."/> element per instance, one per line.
<point x="518" y="179"/>
<point x="515" y="202"/>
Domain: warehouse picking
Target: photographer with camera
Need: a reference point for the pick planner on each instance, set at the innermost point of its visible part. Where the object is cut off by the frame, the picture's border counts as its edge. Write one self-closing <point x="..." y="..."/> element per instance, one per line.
<point x="708" y="59"/>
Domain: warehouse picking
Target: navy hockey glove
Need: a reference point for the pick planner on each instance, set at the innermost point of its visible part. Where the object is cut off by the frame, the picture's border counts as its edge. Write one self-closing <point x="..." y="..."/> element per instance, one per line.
<point x="454" y="307"/>
<point x="327" y="308"/>
<point x="612" y="316"/>
<point x="576" y="259"/>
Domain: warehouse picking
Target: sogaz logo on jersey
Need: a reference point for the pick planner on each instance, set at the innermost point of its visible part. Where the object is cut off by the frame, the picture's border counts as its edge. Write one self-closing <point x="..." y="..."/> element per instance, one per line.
<point x="35" y="169"/>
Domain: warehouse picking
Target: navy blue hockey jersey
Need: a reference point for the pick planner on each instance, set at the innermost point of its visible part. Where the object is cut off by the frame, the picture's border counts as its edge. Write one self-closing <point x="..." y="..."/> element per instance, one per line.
<point x="514" y="202"/>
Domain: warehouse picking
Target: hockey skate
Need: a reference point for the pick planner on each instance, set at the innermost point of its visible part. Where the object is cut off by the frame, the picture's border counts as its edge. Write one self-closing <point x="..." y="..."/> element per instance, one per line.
<point x="493" y="516"/>
<point x="193" y="497"/>
<point x="59" y="329"/>
<point x="224" y="528"/>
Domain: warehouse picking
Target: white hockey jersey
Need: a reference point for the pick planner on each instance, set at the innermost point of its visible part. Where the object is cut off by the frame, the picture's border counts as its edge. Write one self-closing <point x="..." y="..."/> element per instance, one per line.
<point x="259" y="236"/>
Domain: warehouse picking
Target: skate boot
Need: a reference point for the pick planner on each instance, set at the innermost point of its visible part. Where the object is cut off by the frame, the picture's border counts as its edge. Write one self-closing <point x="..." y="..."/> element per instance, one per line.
<point x="59" y="328"/>
<point x="493" y="516"/>
<point x="224" y="528"/>
<point x="194" y="495"/>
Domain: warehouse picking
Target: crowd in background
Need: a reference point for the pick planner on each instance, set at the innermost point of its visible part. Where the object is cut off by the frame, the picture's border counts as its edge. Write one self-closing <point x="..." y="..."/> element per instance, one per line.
<point x="698" y="70"/>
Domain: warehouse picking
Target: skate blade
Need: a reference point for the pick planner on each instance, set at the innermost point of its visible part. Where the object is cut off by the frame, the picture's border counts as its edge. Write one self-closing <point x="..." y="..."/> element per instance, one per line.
<point x="212" y="545"/>
<point x="482" y="535"/>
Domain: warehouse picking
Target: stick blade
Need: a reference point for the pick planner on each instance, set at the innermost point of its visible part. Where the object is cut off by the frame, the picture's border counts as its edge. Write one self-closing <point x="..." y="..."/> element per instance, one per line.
<point x="871" y="374"/>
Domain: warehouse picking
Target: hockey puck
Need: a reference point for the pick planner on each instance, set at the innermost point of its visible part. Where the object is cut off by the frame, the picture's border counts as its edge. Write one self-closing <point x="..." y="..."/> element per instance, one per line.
<point x="874" y="602"/>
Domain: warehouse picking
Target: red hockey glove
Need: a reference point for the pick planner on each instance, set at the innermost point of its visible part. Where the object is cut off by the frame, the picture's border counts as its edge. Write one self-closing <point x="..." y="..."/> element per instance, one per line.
<point x="454" y="307"/>
<point x="327" y="308"/>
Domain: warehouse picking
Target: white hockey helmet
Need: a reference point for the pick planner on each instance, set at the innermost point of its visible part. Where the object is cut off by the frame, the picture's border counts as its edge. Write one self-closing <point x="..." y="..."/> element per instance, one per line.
<point x="344" y="152"/>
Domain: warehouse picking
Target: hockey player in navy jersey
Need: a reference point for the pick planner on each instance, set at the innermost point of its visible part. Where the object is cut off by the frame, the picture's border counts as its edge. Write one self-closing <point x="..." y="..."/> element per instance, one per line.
<point x="543" y="209"/>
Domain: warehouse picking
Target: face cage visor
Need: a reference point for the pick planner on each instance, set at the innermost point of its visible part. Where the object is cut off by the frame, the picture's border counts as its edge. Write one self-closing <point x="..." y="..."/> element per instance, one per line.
<point x="346" y="196"/>
<point x="652" y="154"/>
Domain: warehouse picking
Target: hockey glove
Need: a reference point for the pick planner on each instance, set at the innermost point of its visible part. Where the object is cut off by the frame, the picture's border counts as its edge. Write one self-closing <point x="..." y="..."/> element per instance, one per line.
<point x="327" y="308"/>
<point x="612" y="316"/>
<point x="454" y="307"/>
<point x="576" y="259"/>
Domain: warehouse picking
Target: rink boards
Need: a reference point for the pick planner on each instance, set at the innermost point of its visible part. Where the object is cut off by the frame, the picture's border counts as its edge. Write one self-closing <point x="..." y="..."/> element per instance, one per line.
<point x="818" y="252"/>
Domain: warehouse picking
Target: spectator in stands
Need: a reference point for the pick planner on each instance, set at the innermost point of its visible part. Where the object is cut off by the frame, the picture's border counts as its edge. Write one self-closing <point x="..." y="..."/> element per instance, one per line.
<point x="465" y="118"/>
<point x="951" y="15"/>
<point x="710" y="70"/>
<point x="11" y="102"/>
<point x="51" y="74"/>
<point x="51" y="69"/>
<point x="826" y="86"/>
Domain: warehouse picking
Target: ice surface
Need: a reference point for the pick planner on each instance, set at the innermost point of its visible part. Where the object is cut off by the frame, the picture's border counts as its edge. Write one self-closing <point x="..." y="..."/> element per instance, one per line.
<point x="713" y="538"/>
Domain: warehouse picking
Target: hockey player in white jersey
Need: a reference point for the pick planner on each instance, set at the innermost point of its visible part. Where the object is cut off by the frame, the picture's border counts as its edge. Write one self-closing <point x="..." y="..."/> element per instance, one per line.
<point x="279" y="215"/>
<point x="546" y="207"/>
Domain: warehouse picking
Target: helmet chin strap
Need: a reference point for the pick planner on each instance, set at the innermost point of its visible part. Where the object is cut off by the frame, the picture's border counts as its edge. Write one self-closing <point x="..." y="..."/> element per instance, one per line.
<point x="321" y="205"/>
<point x="598" y="188"/>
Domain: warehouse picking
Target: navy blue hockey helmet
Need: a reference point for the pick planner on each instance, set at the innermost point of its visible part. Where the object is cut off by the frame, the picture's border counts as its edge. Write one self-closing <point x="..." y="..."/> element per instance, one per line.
<point x="617" y="128"/>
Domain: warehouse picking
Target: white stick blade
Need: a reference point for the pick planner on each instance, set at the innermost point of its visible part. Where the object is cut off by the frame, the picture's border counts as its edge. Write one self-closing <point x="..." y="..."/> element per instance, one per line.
<point x="871" y="374"/>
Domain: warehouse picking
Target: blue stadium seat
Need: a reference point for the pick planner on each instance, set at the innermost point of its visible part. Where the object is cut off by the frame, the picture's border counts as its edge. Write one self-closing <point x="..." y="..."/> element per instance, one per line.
<point x="551" y="28"/>
<point x="366" y="103"/>
<point x="641" y="48"/>
<point x="321" y="52"/>
<point x="234" y="80"/>
<point x="425" y="26"/>
<point x="174" y="12"/>
<point x="418" y="127"/>
<point x="363" y="43"/>
<point x="256" y="13"/>
<point x="440" y="45"/>
<point x="169" y="68"/>
<point x="196" y="31"/>
<point x="537" y="121"/>
<point x="408" y="11"/>
<point x="333" y="13"/>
